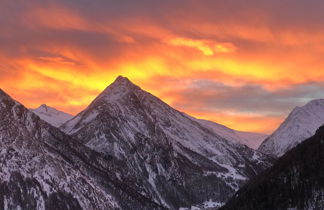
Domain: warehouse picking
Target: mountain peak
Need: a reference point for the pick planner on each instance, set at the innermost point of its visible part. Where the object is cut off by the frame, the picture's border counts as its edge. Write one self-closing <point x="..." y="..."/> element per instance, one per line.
<point x="121" y="81"/>
<point x="119" y="88"/>
<point x="51" y="115"/>
<point x="43" y="107"/>
<point x="301" y="124"/>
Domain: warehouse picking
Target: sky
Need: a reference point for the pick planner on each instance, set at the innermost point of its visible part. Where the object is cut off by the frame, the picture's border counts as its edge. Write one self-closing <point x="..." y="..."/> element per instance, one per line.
<point x="244" y="64"/>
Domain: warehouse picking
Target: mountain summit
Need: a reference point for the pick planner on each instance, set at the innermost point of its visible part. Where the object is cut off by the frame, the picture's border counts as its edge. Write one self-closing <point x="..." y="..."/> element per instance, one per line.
<point x="120" y="83"/>
<point x="52" y="115"/>
<point x="301" y="124"/>
<point x="175" y="160"/>
<point x="120" y="80"/>
<point x="118" y="89"/>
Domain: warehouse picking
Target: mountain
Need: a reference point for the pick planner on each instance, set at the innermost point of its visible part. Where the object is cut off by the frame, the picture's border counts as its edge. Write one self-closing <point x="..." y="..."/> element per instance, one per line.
<point x="252" y="140"/>
<point x="175" y="160"/>
<point x="296" y="181"/>
<point x="301" y="124"/>
<point x="51" y="115"/>
<point x="43" y="168"/>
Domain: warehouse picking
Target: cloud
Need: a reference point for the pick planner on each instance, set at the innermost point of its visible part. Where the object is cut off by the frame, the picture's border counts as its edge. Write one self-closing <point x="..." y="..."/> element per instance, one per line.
<point x="247" y="98"/>
<point x="231" y="104"/>
<point x="232" y="61"/>
<point x="207" y="47"/>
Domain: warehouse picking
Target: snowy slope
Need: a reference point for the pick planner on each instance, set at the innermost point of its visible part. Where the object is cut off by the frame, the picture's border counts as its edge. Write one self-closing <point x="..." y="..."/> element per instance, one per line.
<point x="177" y="161"/>
<point x="52" y="115"/>
<point x="252" y="140"/>
<point x="301" y="123"/>
<point x="295" y="181"/>
<point x="42" y="168"/>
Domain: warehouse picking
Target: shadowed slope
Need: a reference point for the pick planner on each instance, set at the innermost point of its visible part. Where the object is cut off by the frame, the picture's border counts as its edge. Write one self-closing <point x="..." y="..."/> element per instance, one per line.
<point x="296" y="181"/>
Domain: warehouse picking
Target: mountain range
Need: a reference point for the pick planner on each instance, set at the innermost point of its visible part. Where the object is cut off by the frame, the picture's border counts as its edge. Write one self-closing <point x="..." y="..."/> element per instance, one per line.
<point x="127" y="150"/>
<point x="253" y="140"/>
<point x="130" y="150"/>
<point x="42" y="168"/>
<point x="296" y="181"/>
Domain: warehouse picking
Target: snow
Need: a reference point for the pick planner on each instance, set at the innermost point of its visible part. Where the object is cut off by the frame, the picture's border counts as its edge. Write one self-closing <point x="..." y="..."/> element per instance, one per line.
<point x="301" y="124"/>
<point x="151" y="178"/>
<point x="212" y="204"/>
<point x="205" y="205"/>
<point x="191" y="208"/>
<point x="24" y="151"/>
<point x="232" y="172"/>
<point x="252" y="140"/>
<point x="52" y="115"/>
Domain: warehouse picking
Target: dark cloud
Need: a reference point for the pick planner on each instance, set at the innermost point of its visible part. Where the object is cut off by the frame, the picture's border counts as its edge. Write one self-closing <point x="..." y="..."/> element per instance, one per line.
<point x="290" y="10"/>
<point x="17" y="31"/>
<point x="248" y="98"/>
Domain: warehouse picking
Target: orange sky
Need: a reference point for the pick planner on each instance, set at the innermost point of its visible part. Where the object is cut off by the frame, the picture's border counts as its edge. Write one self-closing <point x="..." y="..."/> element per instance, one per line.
<point x="242" y="64"/>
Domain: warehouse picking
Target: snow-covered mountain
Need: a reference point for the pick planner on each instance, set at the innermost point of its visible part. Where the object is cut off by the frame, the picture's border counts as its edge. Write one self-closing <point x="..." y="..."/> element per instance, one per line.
<point x="43" y="168"/>
<point x="252" y="140"/>
<point x="296" y="181"/>
<point x="52" y="115"/>
<point x="175" y="160"/>
<point x="301" y="124"/>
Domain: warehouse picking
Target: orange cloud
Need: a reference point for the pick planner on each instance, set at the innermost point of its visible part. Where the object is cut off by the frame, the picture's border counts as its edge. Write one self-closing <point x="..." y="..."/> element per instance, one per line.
<point x="65" y="55"/>
<point x="198" y="44"/>
<point x="207" y="47"/>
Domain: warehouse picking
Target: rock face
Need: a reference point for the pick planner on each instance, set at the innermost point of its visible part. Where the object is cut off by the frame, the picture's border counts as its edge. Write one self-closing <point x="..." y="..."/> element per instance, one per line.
<point x="301" y="124"/>
<point x="51" y="115"/>
<point x="42" y="168"/>
<point x="296" y="181"/>
<point x="173" y="159"/>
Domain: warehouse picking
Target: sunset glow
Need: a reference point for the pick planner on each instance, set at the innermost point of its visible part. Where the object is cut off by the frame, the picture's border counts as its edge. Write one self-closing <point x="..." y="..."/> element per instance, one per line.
<point x="246" y="68"/>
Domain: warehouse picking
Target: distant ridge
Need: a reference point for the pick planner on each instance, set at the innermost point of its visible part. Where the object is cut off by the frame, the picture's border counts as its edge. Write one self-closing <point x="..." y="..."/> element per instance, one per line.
<point x="301" y="124"/>
<point x="296" y="181"/>
<point x="52" y="115"/>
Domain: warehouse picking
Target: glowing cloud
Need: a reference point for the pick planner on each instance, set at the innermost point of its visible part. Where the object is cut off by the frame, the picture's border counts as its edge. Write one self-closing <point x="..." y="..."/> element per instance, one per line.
<point x="213" y="52"/>
<point x="207" y="47"/>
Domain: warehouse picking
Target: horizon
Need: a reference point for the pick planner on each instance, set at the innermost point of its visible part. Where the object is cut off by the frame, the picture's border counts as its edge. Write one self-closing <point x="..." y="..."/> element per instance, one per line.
<point x="244" y="65"/>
